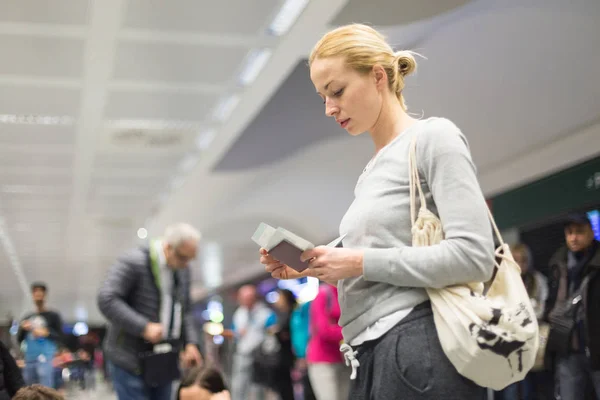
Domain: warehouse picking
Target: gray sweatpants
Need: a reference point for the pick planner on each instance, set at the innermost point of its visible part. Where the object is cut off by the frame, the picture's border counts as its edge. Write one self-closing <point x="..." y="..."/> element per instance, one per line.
<point x="408" y="363"/>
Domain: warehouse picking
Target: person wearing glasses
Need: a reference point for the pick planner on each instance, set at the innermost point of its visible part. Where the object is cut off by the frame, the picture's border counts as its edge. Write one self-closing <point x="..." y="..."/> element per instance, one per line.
<point x="146" y="300"/>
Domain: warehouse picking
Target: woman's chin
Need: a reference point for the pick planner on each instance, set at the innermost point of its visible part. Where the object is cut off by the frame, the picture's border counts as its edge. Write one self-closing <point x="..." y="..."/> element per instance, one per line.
<point x="354" y="132"/>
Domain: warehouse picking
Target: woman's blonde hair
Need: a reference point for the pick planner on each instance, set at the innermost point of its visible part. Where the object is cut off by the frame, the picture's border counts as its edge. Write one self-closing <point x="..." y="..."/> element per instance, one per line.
<point x="362" y="47"/>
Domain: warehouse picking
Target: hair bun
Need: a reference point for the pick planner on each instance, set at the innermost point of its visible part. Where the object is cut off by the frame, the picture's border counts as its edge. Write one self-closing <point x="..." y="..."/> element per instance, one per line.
<point x="406" y="62"/>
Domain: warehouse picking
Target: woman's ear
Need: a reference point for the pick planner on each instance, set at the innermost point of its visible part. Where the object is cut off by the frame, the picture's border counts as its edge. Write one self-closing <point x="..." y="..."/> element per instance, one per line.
<point x="379" y="76"/>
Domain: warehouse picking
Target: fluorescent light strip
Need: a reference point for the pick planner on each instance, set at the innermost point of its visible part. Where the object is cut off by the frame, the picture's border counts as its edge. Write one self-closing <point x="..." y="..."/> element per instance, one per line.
<point x="33" y="189"/>
<point x="162" y="199"/>
<point x="226" y="107"/>
<point x="177" y="183"/>
<point x="36" y="119"/>
<point x="256" y="62"/>
<point x="15" y="263"/>
<point x="205" y="138"/>
<point x="287" y="16"/>
<point x="150" y="124"/>
<point x="188" y="163"/>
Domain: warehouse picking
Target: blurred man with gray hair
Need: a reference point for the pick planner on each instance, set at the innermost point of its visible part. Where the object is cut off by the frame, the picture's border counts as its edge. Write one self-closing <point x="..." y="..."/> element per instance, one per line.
<point x="146" y="299"/>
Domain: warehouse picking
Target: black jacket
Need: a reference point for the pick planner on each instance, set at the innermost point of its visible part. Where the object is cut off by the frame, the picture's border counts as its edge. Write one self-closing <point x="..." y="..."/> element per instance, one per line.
<point x="11" y="379"/>
<point x="591" y="297"/>
<point x="54" y="326"/>
<point x="129" y="298"/>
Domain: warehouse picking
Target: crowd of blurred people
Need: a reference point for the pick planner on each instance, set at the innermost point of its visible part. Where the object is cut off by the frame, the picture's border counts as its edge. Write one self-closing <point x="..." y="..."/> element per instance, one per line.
<point x="291" y="350"/>
<point x="291" y="342"/>
<point x="40" y="358"/>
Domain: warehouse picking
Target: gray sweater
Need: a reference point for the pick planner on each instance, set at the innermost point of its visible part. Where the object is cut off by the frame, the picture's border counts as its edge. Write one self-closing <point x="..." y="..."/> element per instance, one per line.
<point x="378" y="221"/>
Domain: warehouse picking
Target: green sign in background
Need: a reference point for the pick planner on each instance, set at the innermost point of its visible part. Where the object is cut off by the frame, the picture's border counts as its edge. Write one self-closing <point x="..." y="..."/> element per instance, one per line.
<point x="574" y="188"/>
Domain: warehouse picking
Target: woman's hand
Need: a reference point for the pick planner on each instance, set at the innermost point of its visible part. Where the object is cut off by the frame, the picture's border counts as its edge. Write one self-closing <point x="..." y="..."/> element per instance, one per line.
<point x="332" y="264"/>
<point x="279" y="270"/>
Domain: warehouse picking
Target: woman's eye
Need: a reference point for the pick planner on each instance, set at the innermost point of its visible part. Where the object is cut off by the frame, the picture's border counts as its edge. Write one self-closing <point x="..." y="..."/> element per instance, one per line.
<point x="338" y="93"/>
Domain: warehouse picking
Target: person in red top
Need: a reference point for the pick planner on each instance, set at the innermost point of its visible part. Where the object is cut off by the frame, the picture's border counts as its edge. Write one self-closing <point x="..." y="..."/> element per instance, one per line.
<point x="329" y="376"/>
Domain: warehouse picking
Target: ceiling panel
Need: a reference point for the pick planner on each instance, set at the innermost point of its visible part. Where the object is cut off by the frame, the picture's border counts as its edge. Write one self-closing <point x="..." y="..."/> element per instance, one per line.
<point x="52" y="12"/>
<point x="30" y="55"/>
<point x="34" y="216"/>
<point x="107" y="172"/>
<point x="118" y="207"/>
<point x="37" y="226"/>
<point x="144" y="183"/>
<point x="232" y="16"/>
<point x="36" y="134"/>
<point x="526" y="97"/>
<point x="177" y="62"/>
<point x="385" y="12"/>
<point x="9" y="279"/>
<point x="12" y="179"/>
<point x="125" y="161"/>
<point x="293" y="119"/>
<point x="34" y="203"/>
<point x="172" y="106"/>
<point x="51" y="160"/>
<point x="41" y="101"/>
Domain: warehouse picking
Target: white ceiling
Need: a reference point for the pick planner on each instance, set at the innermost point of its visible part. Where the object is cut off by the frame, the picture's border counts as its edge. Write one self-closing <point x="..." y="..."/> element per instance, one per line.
<point x="138" y="81"/>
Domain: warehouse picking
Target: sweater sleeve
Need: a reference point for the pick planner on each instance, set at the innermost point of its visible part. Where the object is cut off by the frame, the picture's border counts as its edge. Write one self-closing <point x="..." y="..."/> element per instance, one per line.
<point x="55" y="327"/>
<point x="113" y="293"/>
<point x="466" y="253"/>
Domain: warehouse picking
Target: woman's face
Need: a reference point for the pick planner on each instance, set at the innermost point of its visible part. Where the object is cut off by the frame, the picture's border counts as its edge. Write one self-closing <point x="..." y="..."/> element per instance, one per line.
<point x="281" y="303"/>
<point x="354" y="100"/>
<point x="521" y="259"/>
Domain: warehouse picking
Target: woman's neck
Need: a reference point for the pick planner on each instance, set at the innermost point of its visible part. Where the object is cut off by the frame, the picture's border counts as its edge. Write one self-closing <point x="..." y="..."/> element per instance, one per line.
<point x="392" y="121"/>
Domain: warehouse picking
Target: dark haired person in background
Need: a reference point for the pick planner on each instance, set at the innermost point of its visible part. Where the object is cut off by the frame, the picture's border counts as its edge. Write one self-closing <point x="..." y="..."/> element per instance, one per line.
<point x="203" y="383"/>
<point x="575" y="269"/>
<point x="10" y="374"/>
<point x="40" y="332"/>
<point x="282" y="377"/>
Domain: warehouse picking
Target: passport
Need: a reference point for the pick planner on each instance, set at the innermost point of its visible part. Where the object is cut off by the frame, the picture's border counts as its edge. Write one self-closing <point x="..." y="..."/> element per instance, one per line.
<point x="286" y="246"/>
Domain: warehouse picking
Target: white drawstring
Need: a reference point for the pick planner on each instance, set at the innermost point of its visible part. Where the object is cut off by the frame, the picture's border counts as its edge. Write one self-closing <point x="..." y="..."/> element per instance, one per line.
<point x="350" y="358"/>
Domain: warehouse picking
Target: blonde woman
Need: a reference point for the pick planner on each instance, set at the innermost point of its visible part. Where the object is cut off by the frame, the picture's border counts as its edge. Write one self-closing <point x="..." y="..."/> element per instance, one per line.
<point x="386" y="318"/>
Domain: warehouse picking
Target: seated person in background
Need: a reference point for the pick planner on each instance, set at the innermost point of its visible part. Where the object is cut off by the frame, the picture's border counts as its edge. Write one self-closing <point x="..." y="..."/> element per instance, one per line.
<point x="203" y="383"/>
<point x="37" y="392"/>
<point x="11" y="379"/>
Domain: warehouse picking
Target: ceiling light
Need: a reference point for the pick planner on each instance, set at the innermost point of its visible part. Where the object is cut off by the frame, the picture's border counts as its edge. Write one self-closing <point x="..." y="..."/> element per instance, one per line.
<point x="177" y="183"/>
<point x="287" y="15"/>
<point x="226" y="107"/>
<point x="19" y="189"/>
<point x="256" y="62"/>
<point x="32" y="119"/>
<point x="80" y="329"/>
<point x="142" y="233"/>
<point x="23" y="227"/>
<point x="205" y="138"/>
<point x="31" y="189"/>
<point x="162" y="199"/>
<point x="188" y="163"/>
<point x="152" y="124"/>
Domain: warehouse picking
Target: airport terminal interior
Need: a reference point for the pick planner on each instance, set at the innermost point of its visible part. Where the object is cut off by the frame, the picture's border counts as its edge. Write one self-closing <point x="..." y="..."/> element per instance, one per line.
<point x="170" y="130"/>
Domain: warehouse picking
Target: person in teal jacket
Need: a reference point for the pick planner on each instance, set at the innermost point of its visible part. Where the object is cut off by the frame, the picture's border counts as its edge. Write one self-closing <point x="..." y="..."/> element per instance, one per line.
<point x="299" y="327"/>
